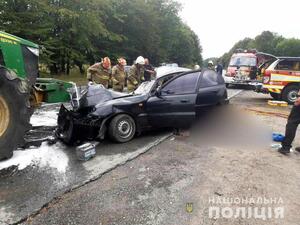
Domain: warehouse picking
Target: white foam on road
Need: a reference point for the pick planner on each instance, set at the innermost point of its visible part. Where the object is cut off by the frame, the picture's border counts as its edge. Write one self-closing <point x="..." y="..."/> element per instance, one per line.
<point x="44" y="156"/>
<point x="44" y="118"/>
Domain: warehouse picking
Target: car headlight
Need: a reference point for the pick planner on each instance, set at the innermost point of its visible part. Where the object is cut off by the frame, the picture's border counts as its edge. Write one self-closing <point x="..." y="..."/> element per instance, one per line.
<point x="34" y="51"/>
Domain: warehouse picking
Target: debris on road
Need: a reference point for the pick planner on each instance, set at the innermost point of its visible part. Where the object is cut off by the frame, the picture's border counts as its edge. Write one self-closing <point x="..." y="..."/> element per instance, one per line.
<point x="86" y="151"/>
<point x="277" y="137"/>
<point x="277" y="103"/>
<point x="9" y="171"/>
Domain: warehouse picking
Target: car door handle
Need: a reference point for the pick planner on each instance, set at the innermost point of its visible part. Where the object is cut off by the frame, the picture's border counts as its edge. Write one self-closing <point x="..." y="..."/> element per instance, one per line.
<point x="184" y="100"/>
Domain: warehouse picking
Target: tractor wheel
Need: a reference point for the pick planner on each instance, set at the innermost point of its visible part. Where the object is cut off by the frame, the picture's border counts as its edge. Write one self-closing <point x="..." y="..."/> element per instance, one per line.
<point x="290" y="93"/>
<point x="15" y="112"/>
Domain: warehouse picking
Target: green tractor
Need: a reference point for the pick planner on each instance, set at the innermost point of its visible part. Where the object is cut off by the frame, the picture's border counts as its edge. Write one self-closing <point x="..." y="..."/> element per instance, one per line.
<point x="21" y="90"/>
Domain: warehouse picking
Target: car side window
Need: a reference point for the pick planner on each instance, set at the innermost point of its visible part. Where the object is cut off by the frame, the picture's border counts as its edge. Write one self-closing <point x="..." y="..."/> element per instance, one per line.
<point x="185" y="84"/>
<point x="210" y="78"/>
<point x="288" y="65"/>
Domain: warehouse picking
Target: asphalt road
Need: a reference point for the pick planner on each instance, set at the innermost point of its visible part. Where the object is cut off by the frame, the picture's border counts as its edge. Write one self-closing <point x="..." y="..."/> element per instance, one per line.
<point x="35" y="176"/>
<point x="174" y="182"/>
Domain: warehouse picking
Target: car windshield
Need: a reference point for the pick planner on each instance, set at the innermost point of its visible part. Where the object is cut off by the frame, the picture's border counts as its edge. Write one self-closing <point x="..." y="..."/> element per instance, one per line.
<point x="144" y="88"/>
<point x="242" y="61"/>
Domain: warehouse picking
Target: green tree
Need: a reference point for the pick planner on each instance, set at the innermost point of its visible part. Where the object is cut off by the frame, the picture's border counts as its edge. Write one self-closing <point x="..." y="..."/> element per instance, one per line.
<point x="76" y="32"/>
<point x="288" y="47"/>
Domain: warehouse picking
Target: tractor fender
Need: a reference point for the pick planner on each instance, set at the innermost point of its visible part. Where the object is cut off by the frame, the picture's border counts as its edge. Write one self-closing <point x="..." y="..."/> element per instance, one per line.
<point x="11" y="75"/>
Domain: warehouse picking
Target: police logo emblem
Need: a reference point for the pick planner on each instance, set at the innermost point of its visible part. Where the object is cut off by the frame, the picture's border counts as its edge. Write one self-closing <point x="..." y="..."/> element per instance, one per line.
<point x="189" y="207"/>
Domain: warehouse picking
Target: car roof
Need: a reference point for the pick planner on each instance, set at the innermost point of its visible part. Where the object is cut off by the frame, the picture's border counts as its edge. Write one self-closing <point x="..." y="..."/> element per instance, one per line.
<point x="288" y="57"/>
<point x="167" y="70"/>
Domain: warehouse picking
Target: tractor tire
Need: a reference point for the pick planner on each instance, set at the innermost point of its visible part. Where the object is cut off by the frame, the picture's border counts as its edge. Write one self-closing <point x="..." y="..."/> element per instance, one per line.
<point x="122" y="128"/>
<point x="275" y="96"/>
<point x="15" y="112"/>
<point x="290" y="93"/>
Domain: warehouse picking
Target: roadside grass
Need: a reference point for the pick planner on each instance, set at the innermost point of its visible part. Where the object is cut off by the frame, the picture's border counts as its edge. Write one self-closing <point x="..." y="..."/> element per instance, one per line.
<point x="74" y="76"/>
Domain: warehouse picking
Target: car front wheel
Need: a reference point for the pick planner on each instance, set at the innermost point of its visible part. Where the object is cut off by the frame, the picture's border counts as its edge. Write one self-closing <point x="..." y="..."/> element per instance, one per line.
<point x="122" y="128"/>
<point x="290" y="94"/>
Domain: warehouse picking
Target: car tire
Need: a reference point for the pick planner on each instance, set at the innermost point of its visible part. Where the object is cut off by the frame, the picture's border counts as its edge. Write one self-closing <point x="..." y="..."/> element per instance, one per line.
<point x="122" y="128"/>
<point x="275" y="96"/>
<point x="290" y="93"/>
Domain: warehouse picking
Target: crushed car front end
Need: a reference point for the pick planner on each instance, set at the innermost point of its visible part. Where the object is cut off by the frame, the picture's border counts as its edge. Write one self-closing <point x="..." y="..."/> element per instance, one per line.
<point x="77" y="123"/>
<point x="74" y="126"/>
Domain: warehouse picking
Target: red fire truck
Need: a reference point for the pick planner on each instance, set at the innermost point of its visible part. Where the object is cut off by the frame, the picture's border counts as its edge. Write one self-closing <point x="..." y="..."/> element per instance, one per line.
<point x="245" y="67"/>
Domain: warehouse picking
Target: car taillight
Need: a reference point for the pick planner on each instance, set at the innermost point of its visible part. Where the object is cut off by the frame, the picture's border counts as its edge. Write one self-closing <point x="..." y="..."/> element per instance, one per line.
<point x="267" y="77"/>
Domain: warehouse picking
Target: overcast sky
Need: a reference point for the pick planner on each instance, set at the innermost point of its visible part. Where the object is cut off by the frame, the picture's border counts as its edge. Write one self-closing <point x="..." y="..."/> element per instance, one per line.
<point x="221" y="23"/>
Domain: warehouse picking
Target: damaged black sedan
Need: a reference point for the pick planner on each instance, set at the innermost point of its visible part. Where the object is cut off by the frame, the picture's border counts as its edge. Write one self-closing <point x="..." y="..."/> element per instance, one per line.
<point x="171" y="101"/>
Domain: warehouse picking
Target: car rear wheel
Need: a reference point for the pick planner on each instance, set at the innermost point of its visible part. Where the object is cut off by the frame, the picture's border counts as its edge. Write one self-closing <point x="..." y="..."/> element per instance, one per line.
<point x="290" y="93"/>
<point x="275" y="96"/>
<point x="122" y="128"/>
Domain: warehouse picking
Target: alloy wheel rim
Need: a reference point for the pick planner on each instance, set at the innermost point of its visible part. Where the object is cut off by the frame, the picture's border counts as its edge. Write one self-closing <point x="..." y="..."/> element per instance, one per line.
<point x="292" y="96"/>
<point x="4" y="116"/>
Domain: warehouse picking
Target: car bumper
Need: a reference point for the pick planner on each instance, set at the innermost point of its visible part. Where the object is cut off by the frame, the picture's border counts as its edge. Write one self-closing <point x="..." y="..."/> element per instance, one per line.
<point x="72" y="127"/>
<point x="234" y="81"/>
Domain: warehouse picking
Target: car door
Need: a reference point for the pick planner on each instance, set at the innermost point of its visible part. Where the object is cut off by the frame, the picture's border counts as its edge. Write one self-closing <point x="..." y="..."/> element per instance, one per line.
<point x="211" y="89"/>
<point x="175" y="106"/>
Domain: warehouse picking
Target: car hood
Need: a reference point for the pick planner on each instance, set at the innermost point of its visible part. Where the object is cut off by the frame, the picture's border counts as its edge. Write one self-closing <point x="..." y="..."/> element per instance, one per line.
<point x="98" y="96"/>
<point x="119" y="104"/>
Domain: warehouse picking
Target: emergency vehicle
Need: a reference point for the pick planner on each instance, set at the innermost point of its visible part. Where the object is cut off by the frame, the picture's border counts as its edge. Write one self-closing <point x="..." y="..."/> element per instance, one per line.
<point x="282" y="79"/>
<point x="245" y="67"/>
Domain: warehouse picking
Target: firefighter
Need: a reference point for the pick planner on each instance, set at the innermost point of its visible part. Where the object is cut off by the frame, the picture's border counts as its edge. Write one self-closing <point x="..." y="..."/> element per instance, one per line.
<point x="219" y="69"/>
<point x="210" y="65"/>
<point x="291" y="128"/>
<point x="118" y="75"/>
<point x="136" y="74"/>
<point x="149" y="73"/>
<point x="100" y="73"/>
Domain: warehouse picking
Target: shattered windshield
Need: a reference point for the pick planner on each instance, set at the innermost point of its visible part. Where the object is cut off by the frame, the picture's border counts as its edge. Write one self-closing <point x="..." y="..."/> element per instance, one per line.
<point x="144" y="88"/>
<point x="242" y="61"/>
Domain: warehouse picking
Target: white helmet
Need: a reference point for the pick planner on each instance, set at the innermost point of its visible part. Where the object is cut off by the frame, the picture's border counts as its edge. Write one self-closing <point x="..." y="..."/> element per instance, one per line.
<point x="140" y="60"/>
<point x="211" y="62"/>
<point x="197" y="67"/>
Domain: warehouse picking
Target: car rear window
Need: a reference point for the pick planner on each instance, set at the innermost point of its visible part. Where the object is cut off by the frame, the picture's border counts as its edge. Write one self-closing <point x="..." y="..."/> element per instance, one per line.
<point x="242" y="61"/>
<point x="293" y="65"/>
<point x="211" y="78"/>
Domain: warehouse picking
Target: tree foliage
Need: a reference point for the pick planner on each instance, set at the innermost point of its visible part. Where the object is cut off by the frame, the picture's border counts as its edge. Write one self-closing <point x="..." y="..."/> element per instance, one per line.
<point x="267" y="42"/>
<point x="76" y="32"/>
